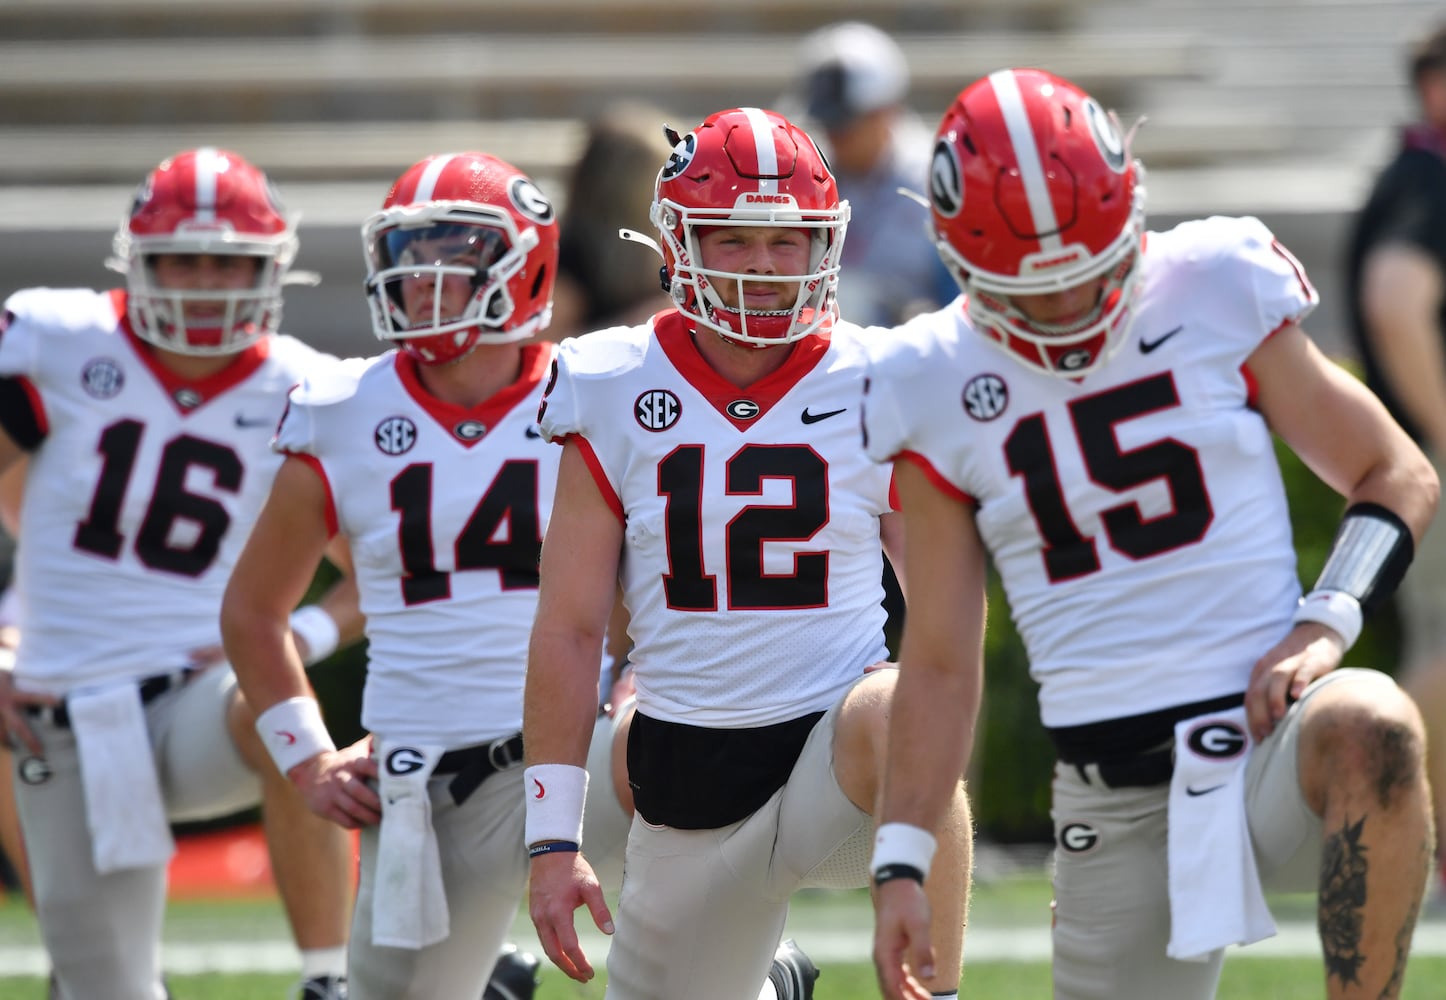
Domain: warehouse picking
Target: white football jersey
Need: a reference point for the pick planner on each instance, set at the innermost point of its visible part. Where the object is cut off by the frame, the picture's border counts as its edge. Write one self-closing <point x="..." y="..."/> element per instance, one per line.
<point x="1136" y="516"/>
<point x="752" y="565"/>
<point x="445" y="508"/>
<point x="141" y="493"/>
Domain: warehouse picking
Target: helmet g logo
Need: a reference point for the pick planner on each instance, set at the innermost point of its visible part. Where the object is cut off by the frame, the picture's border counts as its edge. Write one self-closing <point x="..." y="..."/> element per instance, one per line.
<point x="528" y="199"/>
<point x="946" y="180"/>
<point x="1106" y="135"/>
<point x="682" y="156"/>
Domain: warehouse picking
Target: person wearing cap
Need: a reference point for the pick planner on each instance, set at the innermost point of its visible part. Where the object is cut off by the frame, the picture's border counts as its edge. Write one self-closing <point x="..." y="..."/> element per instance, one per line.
<point x="854" y="85"/>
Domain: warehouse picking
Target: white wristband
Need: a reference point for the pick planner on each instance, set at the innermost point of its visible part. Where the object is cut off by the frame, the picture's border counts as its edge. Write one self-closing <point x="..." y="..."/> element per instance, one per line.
<point x="293" y="732"/>
<point x="318" y="630"/>
<point x="555" y="797"/>
<point x="903" y="844"/>
<point x="1336" y="610"/>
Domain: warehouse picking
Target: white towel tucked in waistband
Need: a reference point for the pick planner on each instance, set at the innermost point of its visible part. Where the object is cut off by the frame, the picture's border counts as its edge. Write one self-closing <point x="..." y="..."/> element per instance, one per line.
<point x="409" y="903"/>
<point x="123" y="804"/>
<point x="1215" y="894"/>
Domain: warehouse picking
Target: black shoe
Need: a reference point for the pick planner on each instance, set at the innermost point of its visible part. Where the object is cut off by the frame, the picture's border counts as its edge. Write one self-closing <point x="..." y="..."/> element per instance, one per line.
<point x="793" y="973"/>
<point x="514" y="977"/>
<point x="323" y="988"/>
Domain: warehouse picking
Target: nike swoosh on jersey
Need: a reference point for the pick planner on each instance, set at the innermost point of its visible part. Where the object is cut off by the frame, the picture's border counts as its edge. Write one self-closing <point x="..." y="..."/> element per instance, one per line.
<point x="813" y="418"/>
<point x="1146" y="346"/>
<point x="1194" y="792"/>
<point x="533" y="431"/>
<point x="243" y="421"/>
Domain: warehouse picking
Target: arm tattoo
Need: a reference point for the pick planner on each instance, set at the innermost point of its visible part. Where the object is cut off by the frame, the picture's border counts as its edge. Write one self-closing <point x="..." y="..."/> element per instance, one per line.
<point x="1405" y="935"/>
<point x="1342" y="898"/>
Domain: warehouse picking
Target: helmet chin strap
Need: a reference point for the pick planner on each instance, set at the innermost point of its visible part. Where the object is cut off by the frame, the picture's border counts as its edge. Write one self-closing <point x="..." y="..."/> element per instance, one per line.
<point x="633" y="236"/>
<point x="664" y="279"/>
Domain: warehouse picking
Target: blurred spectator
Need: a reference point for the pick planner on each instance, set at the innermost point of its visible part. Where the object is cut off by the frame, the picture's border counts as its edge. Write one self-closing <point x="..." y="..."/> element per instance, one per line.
<point x="854" y="86"/>
<point x="601" y="281"/>
<point x="1396" y="272"/>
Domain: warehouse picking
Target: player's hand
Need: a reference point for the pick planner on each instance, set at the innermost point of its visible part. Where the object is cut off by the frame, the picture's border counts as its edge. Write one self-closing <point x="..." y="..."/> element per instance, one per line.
<point x="624" y="689"/>
<point x="339" y="785"/>
<point x="903" y="954"/>
<point x="1311" y="650"/>
<point x="560" y="883"/>
<point x="14" y="730"/>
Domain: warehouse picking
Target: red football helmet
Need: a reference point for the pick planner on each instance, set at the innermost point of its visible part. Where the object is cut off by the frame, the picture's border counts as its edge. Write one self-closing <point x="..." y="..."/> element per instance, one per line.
<point x="749" y="167"/>
<point x="1033" y="190"/>
<point x="205" y="201"/>
<point x="466" y="216"/>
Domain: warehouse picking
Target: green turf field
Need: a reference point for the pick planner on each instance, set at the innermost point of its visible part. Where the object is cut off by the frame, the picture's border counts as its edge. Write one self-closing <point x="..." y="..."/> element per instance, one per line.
<point x="227" y="932"/>
<point x="1270" y="979"/>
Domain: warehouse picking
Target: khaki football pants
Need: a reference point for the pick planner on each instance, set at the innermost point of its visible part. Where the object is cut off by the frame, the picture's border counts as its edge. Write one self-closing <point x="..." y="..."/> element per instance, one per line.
<point x="1112" y="908"/>
<point x="702" y="911"/>
<point x="103" y="931"/>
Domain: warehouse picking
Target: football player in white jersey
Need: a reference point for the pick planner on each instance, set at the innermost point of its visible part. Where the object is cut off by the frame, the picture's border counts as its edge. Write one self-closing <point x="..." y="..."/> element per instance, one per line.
<point x="1095" y="414"/>
<point x="146" y="413"/>
<point x="711" y="459"/>
<point x="429" y="462"/>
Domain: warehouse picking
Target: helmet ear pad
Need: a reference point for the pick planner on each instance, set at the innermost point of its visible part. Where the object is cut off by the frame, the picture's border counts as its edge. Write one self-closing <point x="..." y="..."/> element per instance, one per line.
<point x="747" y="167"/>
<point x="205" y="202"/>
<point x="1033" y="191"/>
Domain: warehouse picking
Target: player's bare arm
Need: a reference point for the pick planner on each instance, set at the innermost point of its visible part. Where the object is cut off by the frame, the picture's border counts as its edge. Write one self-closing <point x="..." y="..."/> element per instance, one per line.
<point x="579" y="573"/>
<point x="939" y="689"/>
<point x="14" y="731"/>
<point x="271" y="576"/>
<point x="1346" y="437"/>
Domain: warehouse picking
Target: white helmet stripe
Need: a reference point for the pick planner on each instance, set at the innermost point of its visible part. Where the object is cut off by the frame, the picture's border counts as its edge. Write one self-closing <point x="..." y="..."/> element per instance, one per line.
<point x="208" y="164"/>
<point x="767" y="152"/>
<point x="1026" y="153"/>
<point x="428" y="184"/>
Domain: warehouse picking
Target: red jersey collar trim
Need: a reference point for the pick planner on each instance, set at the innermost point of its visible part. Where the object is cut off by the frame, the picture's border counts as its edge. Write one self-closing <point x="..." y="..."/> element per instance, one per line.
<point x="674" y="334"/>
<point x="536" y="362"/>
<point x="242" y="366"/>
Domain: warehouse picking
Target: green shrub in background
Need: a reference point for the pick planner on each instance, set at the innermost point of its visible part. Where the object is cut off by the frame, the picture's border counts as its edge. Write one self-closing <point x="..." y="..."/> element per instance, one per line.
<point x="1009" y="780"/>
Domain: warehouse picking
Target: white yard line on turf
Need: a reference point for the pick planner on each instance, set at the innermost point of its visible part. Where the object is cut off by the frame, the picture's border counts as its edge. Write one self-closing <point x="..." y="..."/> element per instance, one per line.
<point x="1296" y="940"/>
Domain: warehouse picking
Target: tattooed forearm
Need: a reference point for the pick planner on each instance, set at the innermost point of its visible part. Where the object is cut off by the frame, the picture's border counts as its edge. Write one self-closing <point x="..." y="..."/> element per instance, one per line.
<point x="1342" y="900"/>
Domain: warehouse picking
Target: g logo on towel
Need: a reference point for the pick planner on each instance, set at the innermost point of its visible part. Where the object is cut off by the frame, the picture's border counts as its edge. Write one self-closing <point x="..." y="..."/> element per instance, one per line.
<point x="1217" y="740"/>
<point x="405" y="760"/>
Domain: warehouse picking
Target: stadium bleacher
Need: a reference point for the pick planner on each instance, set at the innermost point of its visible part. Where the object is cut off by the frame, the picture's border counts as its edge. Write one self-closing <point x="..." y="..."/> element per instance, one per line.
<point x="1278" y="107"/>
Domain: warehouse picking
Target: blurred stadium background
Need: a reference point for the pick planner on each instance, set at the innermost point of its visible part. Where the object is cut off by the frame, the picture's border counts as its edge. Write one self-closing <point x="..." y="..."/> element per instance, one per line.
<point x="1277" y="108"/>
<point x="1274" y="107"/>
